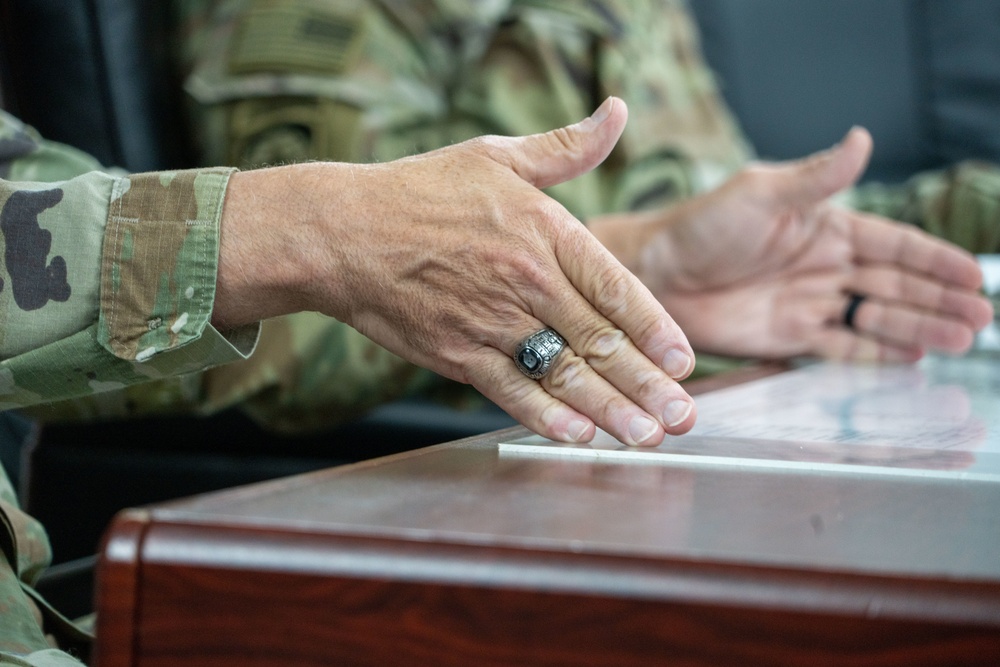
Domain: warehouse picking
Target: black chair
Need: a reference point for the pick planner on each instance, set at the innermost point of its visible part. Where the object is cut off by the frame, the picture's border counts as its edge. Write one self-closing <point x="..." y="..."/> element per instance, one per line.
<point x="96" y="74"/>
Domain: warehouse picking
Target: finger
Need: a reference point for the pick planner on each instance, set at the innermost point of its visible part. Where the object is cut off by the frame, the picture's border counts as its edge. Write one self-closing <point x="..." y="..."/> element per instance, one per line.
<point x="574" y="381"/>
<point x="814" y="321"/>
<point x="903" y="326"/>
<point x="562" y="154"/>
<point x="803" y="183"/>
<point x="531" y="402"/>
<point x="659" y="407"/>
<point x="877" y="239"/>
<point x="620" y="389"/>
<point x="922" y="293"/>
<point x="841" y="344"/>
<point x="524" y="399"/>
<point x="604" y="375"/>
<point x="607" y="372"/>
<point x="622" y="300"/>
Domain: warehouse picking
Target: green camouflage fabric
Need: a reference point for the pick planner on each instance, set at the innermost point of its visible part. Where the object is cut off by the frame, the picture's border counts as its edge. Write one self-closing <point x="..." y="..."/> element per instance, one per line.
<point x="961" y="204"/>
<point x="274" y="81"/>
<point x="359" y="80"/>
<point x="108" y="280"/>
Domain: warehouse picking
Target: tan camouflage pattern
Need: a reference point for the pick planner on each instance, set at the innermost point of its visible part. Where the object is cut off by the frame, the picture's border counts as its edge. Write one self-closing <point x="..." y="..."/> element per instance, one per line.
<point x="402" y="77"/>
<point x="269" y="85"/>
<point x="187" y="208"/>
<point x="92" y="260"/>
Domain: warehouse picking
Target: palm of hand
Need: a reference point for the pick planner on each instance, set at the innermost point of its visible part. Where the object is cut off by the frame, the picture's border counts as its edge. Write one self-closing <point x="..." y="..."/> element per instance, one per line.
<point x="764" y="282"/>
<point x="765" y="265"/>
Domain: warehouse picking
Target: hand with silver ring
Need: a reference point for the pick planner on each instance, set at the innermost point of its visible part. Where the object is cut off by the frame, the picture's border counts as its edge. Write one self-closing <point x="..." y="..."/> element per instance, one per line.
<point x="452" y="258"/>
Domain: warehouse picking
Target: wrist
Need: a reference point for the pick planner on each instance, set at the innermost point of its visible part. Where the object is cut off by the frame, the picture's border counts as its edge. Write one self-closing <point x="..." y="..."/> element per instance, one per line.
<point x="265" y="254"/>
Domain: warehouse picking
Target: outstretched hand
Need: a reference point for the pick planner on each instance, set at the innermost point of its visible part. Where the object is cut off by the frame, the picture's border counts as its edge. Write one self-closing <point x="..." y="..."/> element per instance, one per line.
<point x="452" y="258"/>
<point x="766" y="266"/>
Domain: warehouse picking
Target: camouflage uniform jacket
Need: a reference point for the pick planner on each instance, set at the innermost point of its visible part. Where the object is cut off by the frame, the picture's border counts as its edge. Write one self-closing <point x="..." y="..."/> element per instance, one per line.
<point x="108" y="280"/>
<point x="374" y="80"/>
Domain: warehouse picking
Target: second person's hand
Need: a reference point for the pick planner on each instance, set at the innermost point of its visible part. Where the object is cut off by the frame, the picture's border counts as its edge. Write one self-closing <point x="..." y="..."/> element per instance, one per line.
<point x="767" y="266"/>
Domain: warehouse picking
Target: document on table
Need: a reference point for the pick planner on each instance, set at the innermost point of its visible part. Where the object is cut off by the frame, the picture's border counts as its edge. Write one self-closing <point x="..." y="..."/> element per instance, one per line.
<point x="937" y="418"/>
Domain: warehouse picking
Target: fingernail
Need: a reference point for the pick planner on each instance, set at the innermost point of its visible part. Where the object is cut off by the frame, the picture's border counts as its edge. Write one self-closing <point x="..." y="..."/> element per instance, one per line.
<point x="603" y="111"/>
<point x="577" y="430"/>
<point x="676" y="363"/>
<point x="641" y="429"/>
<point x="676" y="412"/>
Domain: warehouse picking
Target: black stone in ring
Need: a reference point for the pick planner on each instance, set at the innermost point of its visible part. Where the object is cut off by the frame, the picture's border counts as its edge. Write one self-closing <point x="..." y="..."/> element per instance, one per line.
<point x="535" y="354"/>
<point x="852" y="309"/>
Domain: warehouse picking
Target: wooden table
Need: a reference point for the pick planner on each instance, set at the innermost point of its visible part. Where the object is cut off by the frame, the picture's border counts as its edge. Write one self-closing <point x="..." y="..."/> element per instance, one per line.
<point x="470" y="554"/>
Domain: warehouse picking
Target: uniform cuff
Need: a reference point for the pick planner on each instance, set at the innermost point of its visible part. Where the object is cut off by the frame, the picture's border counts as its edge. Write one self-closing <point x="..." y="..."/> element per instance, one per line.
<point x="159" y="266"/>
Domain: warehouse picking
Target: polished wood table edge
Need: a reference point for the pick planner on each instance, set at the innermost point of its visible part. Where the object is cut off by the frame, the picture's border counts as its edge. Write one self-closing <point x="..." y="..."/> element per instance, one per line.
<point x="118" y="582"/>
<point x="158" y="543"/>
<point x="170" y="540"/>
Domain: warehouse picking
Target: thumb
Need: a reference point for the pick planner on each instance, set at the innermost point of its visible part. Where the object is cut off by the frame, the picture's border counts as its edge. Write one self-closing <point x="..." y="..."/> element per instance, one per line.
<point x="821" y="175"/>
<point x="563" y="154"/>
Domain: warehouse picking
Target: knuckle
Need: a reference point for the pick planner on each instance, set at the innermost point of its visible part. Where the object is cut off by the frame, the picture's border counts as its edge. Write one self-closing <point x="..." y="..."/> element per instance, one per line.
<point x="615" y="291"/>
<point x="648" y="384"/>
<point x="604" y="344"/>
<point x="656" y="331"/>
<point x="565" y="141"/>
<point x="490" y="145"/>
<point x="547" y="215"/>
<point x="568" y="374"/>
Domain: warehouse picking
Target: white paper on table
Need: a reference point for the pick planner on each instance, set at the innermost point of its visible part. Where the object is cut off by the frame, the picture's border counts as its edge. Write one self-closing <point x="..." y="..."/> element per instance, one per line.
<point x="937" y="418"/>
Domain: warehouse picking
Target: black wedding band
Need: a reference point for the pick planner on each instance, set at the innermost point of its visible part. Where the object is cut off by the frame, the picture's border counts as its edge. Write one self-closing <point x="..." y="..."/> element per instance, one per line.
<point x="535" y="354"/>
<point x="852" y="309"/>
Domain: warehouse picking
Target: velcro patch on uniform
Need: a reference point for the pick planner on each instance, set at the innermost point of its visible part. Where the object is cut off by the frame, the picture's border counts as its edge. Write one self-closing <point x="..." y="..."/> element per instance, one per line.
<point x="296" y="37"/>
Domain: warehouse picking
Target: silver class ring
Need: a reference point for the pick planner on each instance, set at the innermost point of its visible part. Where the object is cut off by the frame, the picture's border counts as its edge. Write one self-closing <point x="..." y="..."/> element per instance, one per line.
<point x="535" y="354"/>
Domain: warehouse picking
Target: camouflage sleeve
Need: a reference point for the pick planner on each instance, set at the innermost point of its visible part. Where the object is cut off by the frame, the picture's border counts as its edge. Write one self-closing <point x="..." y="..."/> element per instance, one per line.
<point x="960" y="204"/>
<point x="108" y="280"/>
